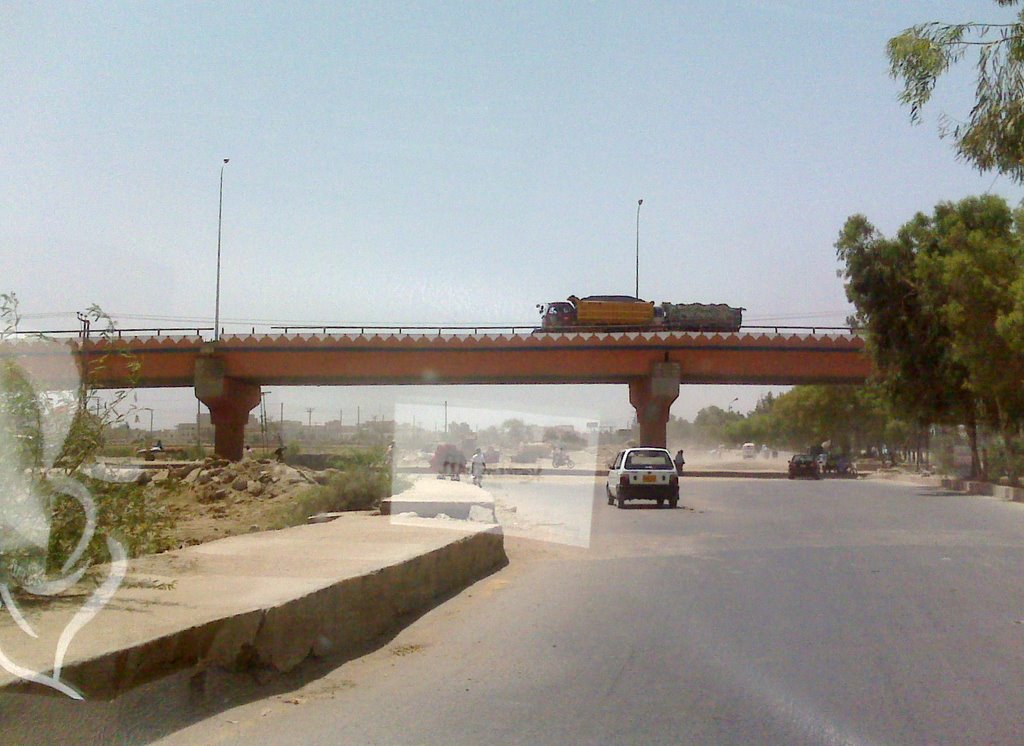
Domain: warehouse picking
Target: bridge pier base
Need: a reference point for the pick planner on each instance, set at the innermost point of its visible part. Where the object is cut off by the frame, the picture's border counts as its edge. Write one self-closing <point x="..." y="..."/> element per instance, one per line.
<point x="229" y="400"/>
<point x="652" y="398"/>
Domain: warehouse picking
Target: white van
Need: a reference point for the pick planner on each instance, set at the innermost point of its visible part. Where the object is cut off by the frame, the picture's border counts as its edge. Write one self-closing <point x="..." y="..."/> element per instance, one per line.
<point x="749" y="450"/>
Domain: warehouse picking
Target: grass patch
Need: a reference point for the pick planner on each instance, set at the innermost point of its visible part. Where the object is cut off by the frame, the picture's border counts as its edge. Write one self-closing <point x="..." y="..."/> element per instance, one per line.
<point x="357" y="489"/>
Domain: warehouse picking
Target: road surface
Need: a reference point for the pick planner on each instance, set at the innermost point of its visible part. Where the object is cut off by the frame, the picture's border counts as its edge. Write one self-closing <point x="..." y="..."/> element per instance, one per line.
<point x="766" y="612"/>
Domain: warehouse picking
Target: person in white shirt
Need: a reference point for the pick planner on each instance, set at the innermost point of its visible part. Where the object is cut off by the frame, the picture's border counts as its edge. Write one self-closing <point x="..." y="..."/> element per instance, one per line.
<point x="476" y="466"/>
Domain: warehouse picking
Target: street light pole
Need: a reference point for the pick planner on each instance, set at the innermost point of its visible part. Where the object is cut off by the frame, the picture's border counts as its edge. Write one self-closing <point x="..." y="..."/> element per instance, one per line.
<point x="220" y="215"/>
<point x="150" y="410"/>
<point x="638" y="203"/>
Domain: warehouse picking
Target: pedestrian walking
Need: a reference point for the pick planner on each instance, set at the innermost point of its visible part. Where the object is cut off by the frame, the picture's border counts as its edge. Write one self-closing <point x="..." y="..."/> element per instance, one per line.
<point x="477" y="467"/>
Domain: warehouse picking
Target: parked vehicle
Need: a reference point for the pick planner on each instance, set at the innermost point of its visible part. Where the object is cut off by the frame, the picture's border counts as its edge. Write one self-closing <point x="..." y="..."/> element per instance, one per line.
<point x="749" y="450"/>
<point x="626" y="313"/>
<point x="803" y="465"/>
<point x="643" y="474"/>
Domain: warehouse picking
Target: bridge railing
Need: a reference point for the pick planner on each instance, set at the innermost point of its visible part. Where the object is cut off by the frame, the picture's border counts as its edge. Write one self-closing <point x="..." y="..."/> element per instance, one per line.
<point x="152" y="331"/>
<point x="362" y="329"/>
<point x="440" y="330"/>
<point x="436" y="330"/>
<point x="811" y="329"/>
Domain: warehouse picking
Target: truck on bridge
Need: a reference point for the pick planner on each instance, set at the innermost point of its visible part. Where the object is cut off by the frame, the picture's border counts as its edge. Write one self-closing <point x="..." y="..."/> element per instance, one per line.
<point x="626" y="313"/>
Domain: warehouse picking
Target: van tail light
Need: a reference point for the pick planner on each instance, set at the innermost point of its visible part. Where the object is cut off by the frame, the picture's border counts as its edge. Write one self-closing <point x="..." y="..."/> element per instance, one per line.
<point x="624" y="480"/>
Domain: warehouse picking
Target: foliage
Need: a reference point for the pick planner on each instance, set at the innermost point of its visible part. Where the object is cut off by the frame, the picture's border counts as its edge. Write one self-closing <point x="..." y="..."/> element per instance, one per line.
<point x="358" y="489"/>
<point x="943" y="306"/>
<point x="41" y="432"/>
<point x="993" y="137"/>
<point x="711" y="424"/>
<point x="907" y="339"/>
<point x="563" y="436"/>
<point x="360" y="459"/>
<point x="123" y="511"/>
<point x="851" y="417"/>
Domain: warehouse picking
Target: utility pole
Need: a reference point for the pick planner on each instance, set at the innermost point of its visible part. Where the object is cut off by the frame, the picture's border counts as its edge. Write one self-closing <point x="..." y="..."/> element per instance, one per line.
<point x="263" y="418"/>
<point x="445" y="416"/>
<point x="220" y="215"/>
<point x="309" y="412"/>
<point x="638" y="203"/>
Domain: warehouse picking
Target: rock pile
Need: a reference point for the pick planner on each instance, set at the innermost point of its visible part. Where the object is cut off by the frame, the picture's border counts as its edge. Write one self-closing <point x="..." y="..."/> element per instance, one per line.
<point x="215" y="480"/>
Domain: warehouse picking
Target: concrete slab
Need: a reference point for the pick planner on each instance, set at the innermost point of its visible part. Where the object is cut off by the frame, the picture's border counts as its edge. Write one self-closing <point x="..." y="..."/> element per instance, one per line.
<point x="264" y="600"/>
<point x="431" y="497"/>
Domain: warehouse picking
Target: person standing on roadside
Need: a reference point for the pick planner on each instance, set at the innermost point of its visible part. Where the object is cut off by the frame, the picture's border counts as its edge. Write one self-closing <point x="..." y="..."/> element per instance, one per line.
<point x="476" y="467"/>
<point x="679" y="461"/>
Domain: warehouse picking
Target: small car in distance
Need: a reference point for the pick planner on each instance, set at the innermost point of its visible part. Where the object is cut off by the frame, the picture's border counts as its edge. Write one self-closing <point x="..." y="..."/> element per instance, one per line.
<point x="802" y="465"/>
<point x="643" y="474"/>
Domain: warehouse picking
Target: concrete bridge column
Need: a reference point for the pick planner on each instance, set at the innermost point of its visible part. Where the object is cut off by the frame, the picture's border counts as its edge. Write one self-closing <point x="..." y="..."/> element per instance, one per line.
<point x="230" y="400"/>
<point x="652" y="397"/>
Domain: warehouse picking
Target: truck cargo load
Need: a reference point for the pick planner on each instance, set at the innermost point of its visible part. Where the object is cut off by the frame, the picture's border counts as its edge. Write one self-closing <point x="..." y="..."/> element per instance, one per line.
<point x="702" y="317"/>
<point x="613" y="311"/>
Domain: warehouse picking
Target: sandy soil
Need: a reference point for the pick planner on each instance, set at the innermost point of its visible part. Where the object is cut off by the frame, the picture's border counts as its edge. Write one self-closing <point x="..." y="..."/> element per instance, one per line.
<point x="212" y="499"/>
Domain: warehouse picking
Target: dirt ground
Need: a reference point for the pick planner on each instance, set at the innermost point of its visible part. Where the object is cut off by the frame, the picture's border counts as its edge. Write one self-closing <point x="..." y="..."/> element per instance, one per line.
<point x="214" y="498"/>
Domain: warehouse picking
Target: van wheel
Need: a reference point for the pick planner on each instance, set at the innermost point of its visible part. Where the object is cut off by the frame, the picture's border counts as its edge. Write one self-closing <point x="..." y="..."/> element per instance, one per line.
<point x="661" y="502"/>
<point x="673" y="502"/>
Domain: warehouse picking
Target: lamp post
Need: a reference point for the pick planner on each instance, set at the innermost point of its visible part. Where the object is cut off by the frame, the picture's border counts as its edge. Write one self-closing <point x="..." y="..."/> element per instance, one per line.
<point x="150" y="410"/>
<point x="263" y="418"/>
<point x="638" y="203"/>
<point x="220" y="215"/>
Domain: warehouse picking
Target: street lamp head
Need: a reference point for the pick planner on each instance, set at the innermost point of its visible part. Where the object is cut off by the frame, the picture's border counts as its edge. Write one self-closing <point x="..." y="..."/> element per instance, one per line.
<point x="638" y="202"/>
<point x="226" y="160"/>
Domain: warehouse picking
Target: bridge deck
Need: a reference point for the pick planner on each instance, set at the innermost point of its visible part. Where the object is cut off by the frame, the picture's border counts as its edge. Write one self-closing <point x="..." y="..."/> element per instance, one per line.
<point x="394" y="358"/>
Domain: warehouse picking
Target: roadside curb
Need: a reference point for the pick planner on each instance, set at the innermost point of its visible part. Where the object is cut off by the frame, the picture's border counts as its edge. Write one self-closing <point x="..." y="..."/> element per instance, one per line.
<point x="998" y="491"/>
<point x="341" y="618"/>
<point x="540" y="471"/>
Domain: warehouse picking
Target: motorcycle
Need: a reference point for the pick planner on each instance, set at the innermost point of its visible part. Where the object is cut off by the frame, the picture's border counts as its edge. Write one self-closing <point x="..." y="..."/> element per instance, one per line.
<point x="562" y="459"/>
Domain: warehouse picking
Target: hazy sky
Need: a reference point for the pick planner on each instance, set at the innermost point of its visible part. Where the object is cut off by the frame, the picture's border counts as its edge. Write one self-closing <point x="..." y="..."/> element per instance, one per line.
<point x="455" y="163"/>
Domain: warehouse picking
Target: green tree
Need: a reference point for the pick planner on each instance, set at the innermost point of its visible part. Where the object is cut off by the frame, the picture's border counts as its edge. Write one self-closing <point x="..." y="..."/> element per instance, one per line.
<point x="971" y="281"/>
<point x="711" y="424"/>
<point x="850" y="417"/>
<point x="993" y="136"/>
<point x="908" y="338"/>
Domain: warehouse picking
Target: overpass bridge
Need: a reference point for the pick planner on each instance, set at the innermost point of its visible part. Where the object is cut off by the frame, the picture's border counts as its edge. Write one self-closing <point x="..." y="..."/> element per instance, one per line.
<point x="227" y="374"/>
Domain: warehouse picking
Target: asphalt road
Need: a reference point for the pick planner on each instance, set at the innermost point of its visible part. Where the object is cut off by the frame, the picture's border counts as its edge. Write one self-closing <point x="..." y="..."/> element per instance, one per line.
<point x="766" y="612"/>
<point x="773" y="612"/>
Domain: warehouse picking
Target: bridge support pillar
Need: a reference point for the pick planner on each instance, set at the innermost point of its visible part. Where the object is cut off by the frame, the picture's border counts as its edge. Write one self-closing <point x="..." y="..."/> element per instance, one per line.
<point x="652" y="397"/>
<point x="230" y="400"/>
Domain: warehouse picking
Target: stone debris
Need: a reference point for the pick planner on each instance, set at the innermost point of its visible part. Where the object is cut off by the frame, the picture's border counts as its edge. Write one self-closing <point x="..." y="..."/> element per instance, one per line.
<point x="216" y="480"/>
<point x="481" y="514"/>
<point x="324" y="517"/>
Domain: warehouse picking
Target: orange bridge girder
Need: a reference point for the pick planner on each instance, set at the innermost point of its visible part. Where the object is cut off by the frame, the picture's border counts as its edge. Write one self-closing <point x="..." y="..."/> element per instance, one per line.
<point x="640" y="359"/>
